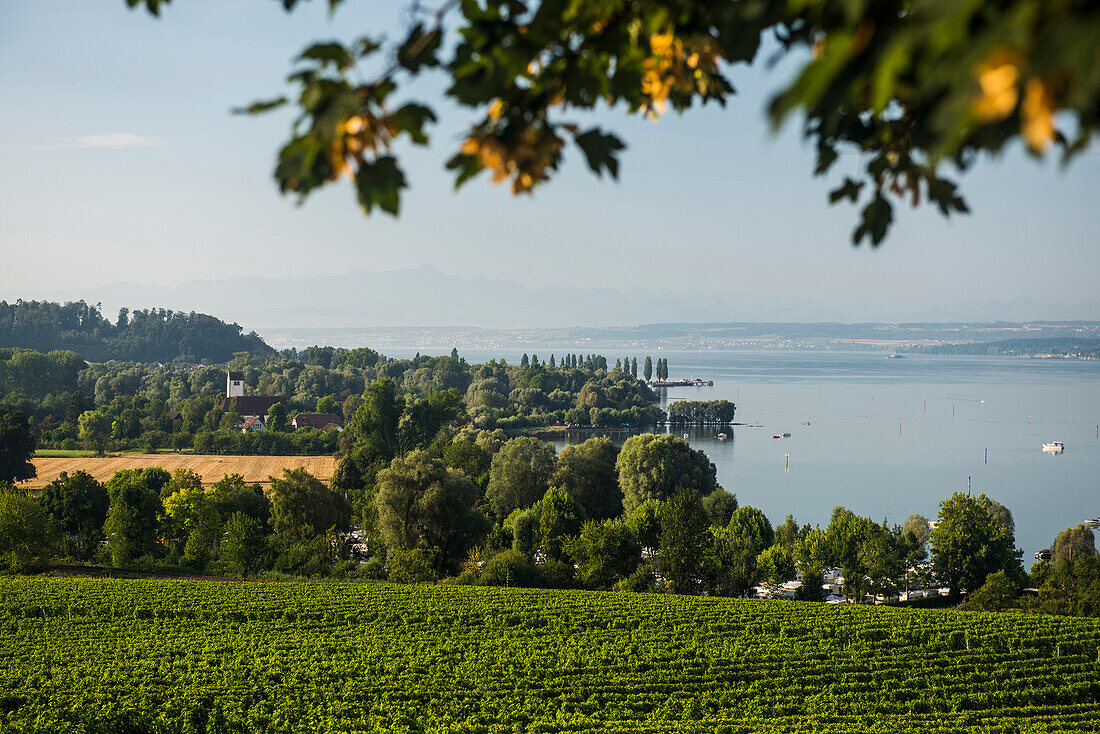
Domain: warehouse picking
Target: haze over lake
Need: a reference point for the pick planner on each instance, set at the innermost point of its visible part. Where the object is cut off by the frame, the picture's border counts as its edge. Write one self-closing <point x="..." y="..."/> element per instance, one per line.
<point x="890" y="437"/>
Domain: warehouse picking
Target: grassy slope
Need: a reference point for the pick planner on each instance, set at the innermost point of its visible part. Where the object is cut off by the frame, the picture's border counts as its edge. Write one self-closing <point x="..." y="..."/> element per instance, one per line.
<point x="84" y="655"/>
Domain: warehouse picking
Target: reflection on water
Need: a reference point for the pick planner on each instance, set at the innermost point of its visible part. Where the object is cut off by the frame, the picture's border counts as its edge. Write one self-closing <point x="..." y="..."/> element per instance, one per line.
<point x="889" y="437"/>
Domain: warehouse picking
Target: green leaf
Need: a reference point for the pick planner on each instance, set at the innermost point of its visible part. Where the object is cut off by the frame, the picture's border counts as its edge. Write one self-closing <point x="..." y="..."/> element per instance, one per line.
<point x="411" y="119"/>
<point x="600" y="151"/>
<point x="379" y="184"/>
<point x="467" y="167"/>
<point x="849" y="190"/>
<point x="329" y="53"/>
<point x="420" y="49"/>
<point x="877" y="217"/>
<point x="257" y="108"/>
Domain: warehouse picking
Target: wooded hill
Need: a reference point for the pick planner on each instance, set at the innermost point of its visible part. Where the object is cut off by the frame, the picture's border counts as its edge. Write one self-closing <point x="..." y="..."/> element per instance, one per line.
<point x="150" y="335"/>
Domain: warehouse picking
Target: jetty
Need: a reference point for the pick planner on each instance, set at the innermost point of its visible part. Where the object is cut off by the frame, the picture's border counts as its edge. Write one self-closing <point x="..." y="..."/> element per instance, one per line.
<point x="684" y="382"/>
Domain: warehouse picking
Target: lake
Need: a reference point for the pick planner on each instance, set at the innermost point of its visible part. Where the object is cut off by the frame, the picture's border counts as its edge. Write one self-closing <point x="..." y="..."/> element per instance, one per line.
<point x="891" y="437"/>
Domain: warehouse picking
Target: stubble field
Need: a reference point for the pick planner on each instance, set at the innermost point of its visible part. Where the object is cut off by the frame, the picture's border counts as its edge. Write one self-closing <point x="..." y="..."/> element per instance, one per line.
<point x="212" y="468"/>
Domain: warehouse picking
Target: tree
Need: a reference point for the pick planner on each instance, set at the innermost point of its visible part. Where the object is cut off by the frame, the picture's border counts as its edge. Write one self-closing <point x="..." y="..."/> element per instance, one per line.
<point x="1073" y="543"/>
<point x="95" y="430"/>
<point x="655" y="467"/>
<point x="276" y="418"/>
<point x="525" y="362"/>
<point x="645" y="522"/>
<point x="719" y="506"/>
<point x="997" y="594"/>
<point x="231" y="495"/>
<point x="17" y="444"/>
<point x="26" y="533"/>
<point x="737" y="548"/>
<point x="899" y="82"/>
<point x="519" y="475"/>
<point x="78" y="505"/>
<point x="647" y="368"/>
<point x="135" y="505"/>
<point x="301" y="505"/>
<point x="776" y="564"/>
<point x="423" y="504"/>
<point x="588" y="474"/>
<point x="560" y="518"/>
<point x="634" y="367"/>
<point x="968" y="544"/>
<point x="685" y="542"/>
<point x="242" y="545"/>
<point x="605" y="552"/>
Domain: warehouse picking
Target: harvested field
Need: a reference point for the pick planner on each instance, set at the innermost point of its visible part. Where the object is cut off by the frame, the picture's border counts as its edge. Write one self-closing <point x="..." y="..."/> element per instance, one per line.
<point x="212" y="468"/>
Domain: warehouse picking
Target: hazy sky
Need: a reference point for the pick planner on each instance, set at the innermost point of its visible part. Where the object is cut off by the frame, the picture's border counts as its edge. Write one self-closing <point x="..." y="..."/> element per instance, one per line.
<point x="120" y="161"/>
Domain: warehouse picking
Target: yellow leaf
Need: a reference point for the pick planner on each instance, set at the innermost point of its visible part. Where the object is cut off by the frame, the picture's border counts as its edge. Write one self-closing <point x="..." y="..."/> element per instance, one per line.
<point x="1038" y="115"/>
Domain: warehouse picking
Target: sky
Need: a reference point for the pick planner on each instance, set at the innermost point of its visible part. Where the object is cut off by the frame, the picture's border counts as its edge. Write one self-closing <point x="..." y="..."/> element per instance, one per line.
<point x="121" y="162"/>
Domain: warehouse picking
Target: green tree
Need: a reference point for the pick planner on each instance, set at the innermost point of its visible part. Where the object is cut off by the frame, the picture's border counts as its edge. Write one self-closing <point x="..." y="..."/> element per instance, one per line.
<point x="17" y="444"/>
<point x="423" y="504"/>
<point x="301" y="505"/>
<point x="605" y="552"/>
<point x="968" y="544"/>
<point x="1073" y="543"/>
<point x="685" y="542"/>
<point x="519" y="475"/>
<point x="560" y="518"/>
<point x="135" y="506"/>
<point x="737" y="548"/>
<point x="811" y="588"/>
<point x="998" y="593"/>
<point x="242" y="546"/>
<point x="78" y="504"/>
<point x="647" y="368"/>
<point x="719" y="506"/>
<point x="645" y="522"/>
<point x="776" y="564"/>
<point x="26" y="533"/>
<point x="588" y="474"/>
<point x="95" y="430"/>
<point x="655" y="467"/>
<point x="276" y="418"/>
<point x="231" y="494"/>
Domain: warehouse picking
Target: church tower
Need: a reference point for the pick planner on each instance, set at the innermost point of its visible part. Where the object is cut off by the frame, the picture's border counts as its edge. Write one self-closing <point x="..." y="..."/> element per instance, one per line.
<point x="234" y="384"/>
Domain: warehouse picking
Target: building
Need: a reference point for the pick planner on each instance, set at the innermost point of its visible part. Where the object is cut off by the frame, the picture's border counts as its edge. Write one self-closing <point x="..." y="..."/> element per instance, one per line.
<point x="253" y="423"/>
<point x="320" y="421"/>
<point x="248" y="406"/>
<point x="234" y="384"/>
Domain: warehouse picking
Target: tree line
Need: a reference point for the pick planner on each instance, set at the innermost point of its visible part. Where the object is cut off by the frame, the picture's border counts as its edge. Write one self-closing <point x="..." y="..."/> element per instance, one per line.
<point x="438" y="501"/>
<point x="701" y="412"/>
<point x="146" y="335"/>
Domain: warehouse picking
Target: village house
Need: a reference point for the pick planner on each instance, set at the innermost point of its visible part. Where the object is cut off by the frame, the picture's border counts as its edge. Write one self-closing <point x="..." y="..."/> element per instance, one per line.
<point x="320" y="421"/>
<point x="248" y="406"/>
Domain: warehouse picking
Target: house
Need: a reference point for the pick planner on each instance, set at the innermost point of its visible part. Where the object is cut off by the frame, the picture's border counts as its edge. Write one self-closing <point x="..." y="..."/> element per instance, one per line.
<point x="173" y="415"/>
<point x="320" y="421"/>
<point x="253" y="423"/>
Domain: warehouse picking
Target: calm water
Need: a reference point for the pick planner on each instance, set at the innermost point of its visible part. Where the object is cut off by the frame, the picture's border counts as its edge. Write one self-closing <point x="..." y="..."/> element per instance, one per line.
<point x="889" y="437"/>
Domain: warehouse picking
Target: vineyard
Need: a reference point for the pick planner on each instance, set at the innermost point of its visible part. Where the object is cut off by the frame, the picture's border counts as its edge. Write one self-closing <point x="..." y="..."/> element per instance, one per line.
<point x="86" y="655"/>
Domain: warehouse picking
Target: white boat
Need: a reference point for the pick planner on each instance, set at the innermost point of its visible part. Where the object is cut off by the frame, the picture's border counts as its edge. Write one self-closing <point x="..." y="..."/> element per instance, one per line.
<point x="721" y="437"/>
<point x="1054" y="447"/>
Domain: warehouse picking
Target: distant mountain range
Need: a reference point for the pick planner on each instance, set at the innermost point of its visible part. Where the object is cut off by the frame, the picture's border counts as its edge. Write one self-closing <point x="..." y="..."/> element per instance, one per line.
<point x="426" y="297"/>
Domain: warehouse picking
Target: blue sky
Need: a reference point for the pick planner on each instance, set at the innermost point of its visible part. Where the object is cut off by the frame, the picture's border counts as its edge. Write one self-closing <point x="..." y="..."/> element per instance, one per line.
<point x="120" y="161"/>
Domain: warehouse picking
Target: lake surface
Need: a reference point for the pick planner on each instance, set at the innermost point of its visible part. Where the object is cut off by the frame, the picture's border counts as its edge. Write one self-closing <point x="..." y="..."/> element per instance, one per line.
<point x="890" y="437"/>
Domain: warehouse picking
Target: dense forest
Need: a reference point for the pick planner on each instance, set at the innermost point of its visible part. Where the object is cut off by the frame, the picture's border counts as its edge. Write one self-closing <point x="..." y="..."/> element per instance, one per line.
<point x="151" y="335"/>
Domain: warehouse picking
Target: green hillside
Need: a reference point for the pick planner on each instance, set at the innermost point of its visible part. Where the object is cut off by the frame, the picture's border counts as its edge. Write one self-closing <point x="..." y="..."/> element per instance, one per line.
<point x="180" y="656"/>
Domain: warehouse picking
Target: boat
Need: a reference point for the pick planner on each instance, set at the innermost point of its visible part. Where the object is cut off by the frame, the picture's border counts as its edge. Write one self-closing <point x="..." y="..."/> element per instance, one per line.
<point x="896" y="356"/>
<point x="1094" y="523"/>
<point x="721" y="437"/>
<point x="777" y="436"/>
<point x="1054" y="447"/>
<point x="1043" y="555"/>
<point x="786" y="435"/>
